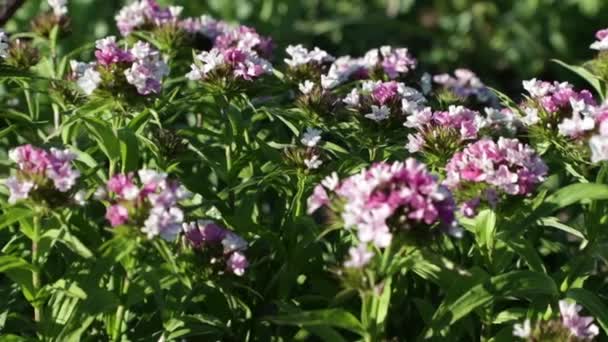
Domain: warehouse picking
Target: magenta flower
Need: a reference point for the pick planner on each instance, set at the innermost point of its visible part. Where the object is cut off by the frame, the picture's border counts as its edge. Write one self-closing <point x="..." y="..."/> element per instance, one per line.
<point x="109" y="53"/>
<point x="153" y="202"/>
<point x="359" y="257"/>
<point x="117" y="215"/>
<point x="400" y="192"/>
<point x="507" y="166"/>
<point x="385" y="92"/>
<point x="39" y="168"/>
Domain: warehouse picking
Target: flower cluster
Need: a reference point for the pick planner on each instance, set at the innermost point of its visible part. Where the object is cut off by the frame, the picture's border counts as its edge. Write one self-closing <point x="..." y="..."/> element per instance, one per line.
<point x="571" y="327"/>
<point x="558" y="100"/>
<point x="41" y="171"/>
<point x="389" y="61"/>
<point x="442" y="130"/>
<point x="299" y="56"/>
<point x="246" y="39"/>
<point x="598" y="143"/>
<point x="387" y="198"/>
<point x="140" y="14"/>
<point x="490" y="168"/>
<point x="153" y="204"/>
<point x="393" y="62"/>
<point x="232" y="63"/>
<point x="465" y="84"/>
<point x="381" y="100"/>
<point x="223" y="245"/>
<point x="141" y="66"/>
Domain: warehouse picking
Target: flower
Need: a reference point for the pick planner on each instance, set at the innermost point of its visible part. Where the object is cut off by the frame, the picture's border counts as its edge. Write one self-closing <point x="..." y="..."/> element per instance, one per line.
<point x="579" y="326"/>
<point x="313" y="162"/>
<point x="507" y="165"/>
<point x="233" y="243"/>
<point x="148" y="69"/>
<point x="466" y="84"/>
<point x="379" y="113"/>
<point x="299" y="55"/>
<point x="108" y="52"/>
<point x="403" y="192"/>
<point x="240" y="64"/>
<point x="163" y="222"/>
<point x="246" y="39"/>
<point x="237" y="263"/>
<point x="311" y="137"/>
<point x="145" y="12"/>
<point x="59" y="7"/>
<point x="4" y="44"/>
<point x="394" y="62"/>
<point x="353" y="98"/>
<point x="152" y="205"/>
<point x="358" y="256"/>
<point x="599" y="148"/>
<point x="117" y="215"/>
<point x="41" y="169"/>
<point x="306" y="87"/>
<point x="601" y="44"/>
<point x="18" y="189"/>
<point x="523" y="330"/>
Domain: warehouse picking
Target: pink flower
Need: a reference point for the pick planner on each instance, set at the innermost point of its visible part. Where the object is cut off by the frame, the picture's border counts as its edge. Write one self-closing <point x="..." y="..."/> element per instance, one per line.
<point x="602" y="40"/>
<point x="117" y="215"/>
<point x="507" y="166"/>
<point x="123" y="186"/>
<point x="385" y="92"/>
<point x="373" y="197"/>
<point x="19" y="189"/>
<point x="237" y="263"/>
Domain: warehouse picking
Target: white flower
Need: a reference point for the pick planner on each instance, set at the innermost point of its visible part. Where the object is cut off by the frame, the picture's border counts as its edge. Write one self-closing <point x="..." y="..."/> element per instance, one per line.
<point x="89" y="81"/>
<point x="300" y="55"/>
<point x="209" y="61"/>
<point x="522" y="330"/>
<point x="331" y="182"/>
<point x="3" y="44"/>
<point x="311" y="137"/>
<point x="599" y="148"/>
<point x="576" y="125"/>
<point x="306" y="87"/>
<point x="379" y="113"/>
<point x="59" y="7"/>
<point x="164" y="222"/>
<point x="537" y="88"/>
<point x="352" y="99"/>
<point x="313" y="162"/>
<point x="80" y="198"/>
<point x="531" y="117"/>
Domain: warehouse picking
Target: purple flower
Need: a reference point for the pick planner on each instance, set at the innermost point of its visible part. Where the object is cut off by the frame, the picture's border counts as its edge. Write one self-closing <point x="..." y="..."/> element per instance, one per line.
<point x="163" y="222"/>
<point x="144" y="12"/>
<point x="240" y="63"/>
<point x="109" y="53"/>
<point x="579" y="326"/>
<point x="237" y="263"/>
<point x="19" y="189"/>
<point x="117" y="215"/>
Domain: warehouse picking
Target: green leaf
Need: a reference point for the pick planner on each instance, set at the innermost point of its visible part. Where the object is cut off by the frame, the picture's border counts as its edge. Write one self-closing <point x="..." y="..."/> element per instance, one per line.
<point x="10" y="262"/>
<point x="338" y="318"/>
<point x="593" y="303"/>
<point x="13" y="215"/>
<point x="585" y="74"/>
<point x="69" y="240"/>
<point x="129" y="150"/>
<point x="517" y="284"/>
<point x="104" y="135"/>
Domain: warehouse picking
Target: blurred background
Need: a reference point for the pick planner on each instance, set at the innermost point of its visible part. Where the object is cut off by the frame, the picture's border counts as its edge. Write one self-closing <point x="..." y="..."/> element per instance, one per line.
<point x="503" y="41"/>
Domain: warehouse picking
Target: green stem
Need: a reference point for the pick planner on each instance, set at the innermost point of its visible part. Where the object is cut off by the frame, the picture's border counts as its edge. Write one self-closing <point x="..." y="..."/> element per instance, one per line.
<point x="121" y="311"/>
<point x="36" y="272"/>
